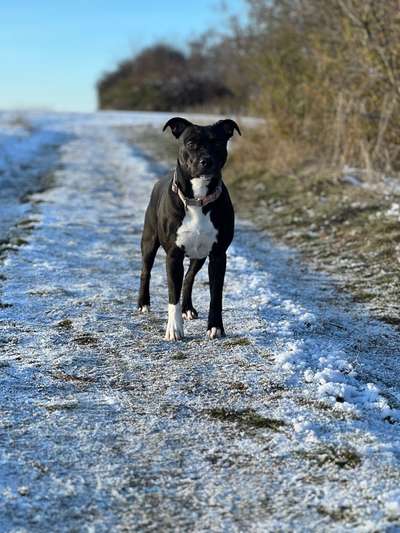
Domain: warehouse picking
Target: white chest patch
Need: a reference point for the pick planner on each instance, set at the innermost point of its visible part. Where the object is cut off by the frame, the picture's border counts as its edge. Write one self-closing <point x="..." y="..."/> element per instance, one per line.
<point x="197" y="233"/>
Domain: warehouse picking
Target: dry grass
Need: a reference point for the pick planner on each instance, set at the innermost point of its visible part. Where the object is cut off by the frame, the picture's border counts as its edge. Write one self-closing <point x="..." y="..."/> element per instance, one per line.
<point x="339" y="227"/>
<point x="246" y="418"/>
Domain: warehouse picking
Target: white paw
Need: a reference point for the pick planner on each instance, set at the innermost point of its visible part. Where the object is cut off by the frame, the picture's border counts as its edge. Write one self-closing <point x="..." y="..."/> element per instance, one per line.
<point x="175" y="323"/>
<point x="214" y="333"/>
<point x="144" y="309"/>
<point x="189" y="315"/>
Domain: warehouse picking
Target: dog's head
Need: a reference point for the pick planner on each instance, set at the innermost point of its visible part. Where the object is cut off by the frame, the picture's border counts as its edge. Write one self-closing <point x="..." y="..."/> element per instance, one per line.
<point x="202" y="149"/>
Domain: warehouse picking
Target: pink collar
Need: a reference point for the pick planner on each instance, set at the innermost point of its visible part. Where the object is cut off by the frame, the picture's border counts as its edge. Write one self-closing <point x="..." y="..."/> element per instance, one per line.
<point x="198" y="202"/>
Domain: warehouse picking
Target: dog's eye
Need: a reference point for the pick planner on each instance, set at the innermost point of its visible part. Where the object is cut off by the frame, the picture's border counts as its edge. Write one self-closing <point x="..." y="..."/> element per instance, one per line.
<point x="191" y="145"/>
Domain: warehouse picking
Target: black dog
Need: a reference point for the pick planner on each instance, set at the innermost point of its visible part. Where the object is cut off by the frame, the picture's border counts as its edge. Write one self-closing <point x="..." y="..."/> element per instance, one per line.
<point x="191" y="214"/>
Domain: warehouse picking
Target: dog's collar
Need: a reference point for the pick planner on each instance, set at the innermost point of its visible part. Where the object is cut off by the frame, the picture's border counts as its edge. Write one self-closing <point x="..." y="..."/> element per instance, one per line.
<point x="197" y="202"/>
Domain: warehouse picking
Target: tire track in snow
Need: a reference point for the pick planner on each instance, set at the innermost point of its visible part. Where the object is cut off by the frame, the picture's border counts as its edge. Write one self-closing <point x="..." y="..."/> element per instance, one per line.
<point x="107" y="426"/>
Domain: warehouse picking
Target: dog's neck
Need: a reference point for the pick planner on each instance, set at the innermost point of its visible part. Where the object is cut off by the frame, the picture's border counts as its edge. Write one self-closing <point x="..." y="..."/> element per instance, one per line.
<point x="183" y="180"/>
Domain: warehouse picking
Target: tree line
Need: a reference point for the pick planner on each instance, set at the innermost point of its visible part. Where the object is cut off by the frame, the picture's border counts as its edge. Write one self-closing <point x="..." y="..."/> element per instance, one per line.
<point x="325" y="74"/>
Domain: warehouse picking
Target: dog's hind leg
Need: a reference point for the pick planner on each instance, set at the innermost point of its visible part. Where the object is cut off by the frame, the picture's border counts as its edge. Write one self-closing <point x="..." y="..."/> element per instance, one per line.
<point x="150" y="245"/>
<point x="188" y="311"/>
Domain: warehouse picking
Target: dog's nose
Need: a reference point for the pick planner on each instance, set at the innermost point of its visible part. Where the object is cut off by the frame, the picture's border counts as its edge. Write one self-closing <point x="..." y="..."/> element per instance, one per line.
<point x="205" y="162"/>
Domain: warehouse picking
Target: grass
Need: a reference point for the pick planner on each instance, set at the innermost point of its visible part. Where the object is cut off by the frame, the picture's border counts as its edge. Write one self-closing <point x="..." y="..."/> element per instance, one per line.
<point x="239" y="341"/>
<point x="65" y="324"/>
<point x="327" y="454"/>
<point x="238" y="386"/>
<point x="246" y="418"/>
<point x="47" y="181"/>
<point x="58" y="407"/>
<point x="179" y="356"/>
<point x="86" y="339"/>
<point x="338" y="227"/>
<point x="71" y="378"/>
<point x="11" y="243"/>
<point x="342" y="513"/>
<point x="320" y="405"/>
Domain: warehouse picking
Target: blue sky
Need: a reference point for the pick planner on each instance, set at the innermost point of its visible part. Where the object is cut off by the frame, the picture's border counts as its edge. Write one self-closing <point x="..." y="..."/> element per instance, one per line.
<point x="53" y="51"/>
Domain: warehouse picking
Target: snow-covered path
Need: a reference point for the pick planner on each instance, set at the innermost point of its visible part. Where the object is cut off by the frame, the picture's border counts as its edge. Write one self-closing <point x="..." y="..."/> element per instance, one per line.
<point x="290" y="423"/>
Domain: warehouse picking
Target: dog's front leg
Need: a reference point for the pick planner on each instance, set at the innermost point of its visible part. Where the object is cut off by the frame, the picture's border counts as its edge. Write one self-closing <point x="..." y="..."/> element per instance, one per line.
<point x="174" y="265"/>
<point x="216" y="274"/>
<point x="188" y="311"/>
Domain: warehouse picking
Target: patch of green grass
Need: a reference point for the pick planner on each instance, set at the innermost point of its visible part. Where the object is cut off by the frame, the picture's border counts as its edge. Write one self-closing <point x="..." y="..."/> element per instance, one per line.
<point x="338" y="514"/>
<point x="57" y="407"/>
<point x="393" y="320"/>
<point x="246" y="418"/>
<point x="179" y="356"/>
<point x="238" y="386"/>
<point x="71" y="378"/>
<point x="86" y="339"/>
<point x="27" y="223"/>
<point x="241" y="341"/>
<point x="20" y="242"/>
<point x="343" y="457"/>
<point x="327" y="408"/>
<point x="65" y="324"/>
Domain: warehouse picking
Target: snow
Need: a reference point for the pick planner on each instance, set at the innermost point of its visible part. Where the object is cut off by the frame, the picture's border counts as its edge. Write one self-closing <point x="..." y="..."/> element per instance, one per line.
<point x="24" y="162"/>
<point x="380" y="183"/>
<point x="392" y="505"/>
<point x="394" y="211"/>
<point x="289" y="423"/>
<point x="351" y="176"/>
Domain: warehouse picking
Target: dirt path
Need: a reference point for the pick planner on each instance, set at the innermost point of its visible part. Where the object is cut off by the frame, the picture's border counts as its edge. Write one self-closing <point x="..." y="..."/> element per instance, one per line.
<point x="290" y="423"/>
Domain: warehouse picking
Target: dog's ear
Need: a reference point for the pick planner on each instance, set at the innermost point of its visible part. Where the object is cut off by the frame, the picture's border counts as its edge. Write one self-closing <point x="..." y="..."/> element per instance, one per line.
<point x="177" y="125"/>
<point x="227" y="126"/>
